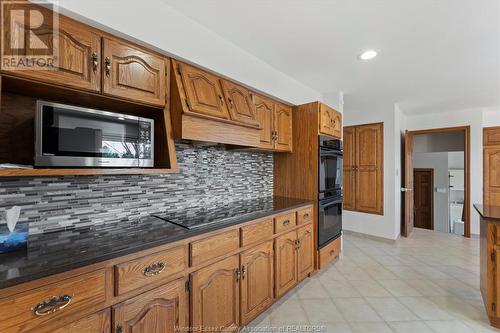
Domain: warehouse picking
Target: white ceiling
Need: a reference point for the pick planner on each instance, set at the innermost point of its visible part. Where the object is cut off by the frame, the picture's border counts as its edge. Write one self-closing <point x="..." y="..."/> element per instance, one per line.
<point x="434" y="55"/>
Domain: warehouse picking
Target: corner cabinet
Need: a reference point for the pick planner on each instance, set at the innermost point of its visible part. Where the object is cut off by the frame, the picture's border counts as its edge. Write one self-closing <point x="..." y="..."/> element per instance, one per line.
<point x="215" y="292"/>
<point x="162" y="310"/>
<point x="132" y="73"/>
<point x="364" y="168"/>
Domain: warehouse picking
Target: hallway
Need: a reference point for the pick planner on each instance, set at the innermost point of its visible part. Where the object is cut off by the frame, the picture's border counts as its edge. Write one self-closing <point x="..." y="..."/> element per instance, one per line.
<point x="426" y="283"/>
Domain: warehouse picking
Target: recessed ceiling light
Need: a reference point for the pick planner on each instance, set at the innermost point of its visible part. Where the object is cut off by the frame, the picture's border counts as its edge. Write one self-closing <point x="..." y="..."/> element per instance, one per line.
<point x="367" y="55"/>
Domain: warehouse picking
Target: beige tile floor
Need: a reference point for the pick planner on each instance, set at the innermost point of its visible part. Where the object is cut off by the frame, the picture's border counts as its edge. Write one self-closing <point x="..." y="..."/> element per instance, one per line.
<point x="426" y="283"/>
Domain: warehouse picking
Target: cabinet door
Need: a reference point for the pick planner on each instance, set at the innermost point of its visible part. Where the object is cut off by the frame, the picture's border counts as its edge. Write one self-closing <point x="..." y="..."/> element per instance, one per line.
<point x="369" y="168"/>
<point x="264" y="111"/>
<point x="283" y="127"/>
<point x="285" y="262"/>
<point x="76" y="46"/>
<point x="203" y="92"/>
<point x="337" y="125"/>
<point x="240" y="104"/>
<point x="349" y="168"/>
<point x="161" y="310"/>
<point x="215" y="296"/>
<point x="133" y="73"/>
<point x="326" y="118"/>
<point x="257" y="282"/>
<point x="491" y="136"/>
<point x="492" y="176"/>
<point x="305" y="257"/>
<point x="96" y="323"/>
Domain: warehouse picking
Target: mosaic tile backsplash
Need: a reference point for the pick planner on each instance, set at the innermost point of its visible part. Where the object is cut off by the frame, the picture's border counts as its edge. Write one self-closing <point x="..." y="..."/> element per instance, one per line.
<point x="209" y="177"/>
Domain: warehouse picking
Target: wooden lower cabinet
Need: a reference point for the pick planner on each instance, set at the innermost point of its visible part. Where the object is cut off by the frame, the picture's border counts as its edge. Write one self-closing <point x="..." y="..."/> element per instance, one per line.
<point x="305" y="248"/>
<point x="161" y="310"/>
<point x="97" y="323"/>
<point x="215" y="292"/>
<point x="257" y="281"/>
<point x="286" y="263"/>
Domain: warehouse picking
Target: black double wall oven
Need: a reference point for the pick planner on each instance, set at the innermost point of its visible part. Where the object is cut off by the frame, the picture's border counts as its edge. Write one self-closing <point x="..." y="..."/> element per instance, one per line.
<point x="330" y="190"/>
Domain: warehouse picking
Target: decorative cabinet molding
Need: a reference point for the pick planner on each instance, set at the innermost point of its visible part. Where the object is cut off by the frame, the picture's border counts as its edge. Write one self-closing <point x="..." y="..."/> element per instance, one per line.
<point x="364" y="168"/>
<point x="133" y="73"/>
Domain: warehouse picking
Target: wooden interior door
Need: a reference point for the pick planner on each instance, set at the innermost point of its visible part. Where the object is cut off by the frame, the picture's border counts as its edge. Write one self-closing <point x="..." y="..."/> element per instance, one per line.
<point x="283" y="127"/>
<point x="257" y="281"/>
<point x="492" y="176"/>
<point x="203" y="92"/>
<point x="423" y="182"/>
<point x="349" y="168"/>
<point x="369" y="168"/>
<point x="240" y="104"/>
<point x="99" y="322"/>
<point x="133" y="73"/>
<point x="77" y="48"/>
<point x="264" y="108"/>
<point x="161" y="310"/>
<point x="285" y="263"/>
<point x="408" y="216"/>
<point x="215" y="296"/>
<point x="305" y="248"/>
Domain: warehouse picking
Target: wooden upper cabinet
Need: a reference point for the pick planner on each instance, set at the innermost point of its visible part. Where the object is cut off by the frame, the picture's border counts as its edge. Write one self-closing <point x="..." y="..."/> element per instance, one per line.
<point x="240" y="104"/>
<point x="283" y="127"/>
<point x="349" y="168"/>
<point x="215" y="295"/>
<point x="285" y="263"/>
<point x="330" y="121"/>
<point x="76" y="46"/>
<point x="305" y="248"/>
<point x="369" y="168"/>
<point x="203" y="91"/>
<point x="162" y="310"/>
<point x="133" y="73"/>
<point x="257" y="282"/>
<point x="97" y="323"/>
<point x="264" y="108"/>
<point x="491" y="136"/>
<point x="492" y="176"/>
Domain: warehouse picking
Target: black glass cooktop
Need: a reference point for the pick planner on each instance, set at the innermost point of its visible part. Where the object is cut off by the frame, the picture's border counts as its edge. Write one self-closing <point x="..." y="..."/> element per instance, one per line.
<point x="224" y="214"/>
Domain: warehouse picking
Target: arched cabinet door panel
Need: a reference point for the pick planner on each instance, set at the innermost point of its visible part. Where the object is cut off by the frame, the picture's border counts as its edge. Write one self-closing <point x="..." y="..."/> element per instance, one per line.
<point x="283" y="127"/>
<point x="162" y="310"/>
<point x="73" y="50"/>
<point x="240" y="104"/>
<point x="215" y="295"/>
<point x="133" y="73"/>
<point x="264" y="108"/>
<point x="492" y="176"/>
<point x="285" y="262"/>
<point x="305" y="248"/>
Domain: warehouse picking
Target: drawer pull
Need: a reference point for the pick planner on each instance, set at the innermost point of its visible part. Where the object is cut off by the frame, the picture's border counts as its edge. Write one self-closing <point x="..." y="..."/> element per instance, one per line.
<point x="286" y="222"/>
<point x="154" y="269"/>
<point x="306" y="215"/>
<point x="53" y="305"/>
<point x="332" y="252"/>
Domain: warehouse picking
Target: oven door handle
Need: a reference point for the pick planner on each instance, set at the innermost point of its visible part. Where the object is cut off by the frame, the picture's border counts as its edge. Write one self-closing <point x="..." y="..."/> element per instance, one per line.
<point x="328" y="203"/>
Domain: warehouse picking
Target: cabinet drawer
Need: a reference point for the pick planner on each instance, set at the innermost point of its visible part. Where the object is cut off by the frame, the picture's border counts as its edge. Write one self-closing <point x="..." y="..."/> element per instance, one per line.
<point x="150" y="269"/>
<point x="215" y="246"/>
<point x="256" y="232"/>
<point x="329" y="252"/>
<point x="305" y="215"/>
<point x="284" y="222"/>
<point x="30" y="309"/>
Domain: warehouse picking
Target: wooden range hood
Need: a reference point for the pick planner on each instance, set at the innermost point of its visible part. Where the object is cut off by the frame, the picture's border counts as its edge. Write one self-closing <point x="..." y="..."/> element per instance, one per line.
<point x="205" y="107"/>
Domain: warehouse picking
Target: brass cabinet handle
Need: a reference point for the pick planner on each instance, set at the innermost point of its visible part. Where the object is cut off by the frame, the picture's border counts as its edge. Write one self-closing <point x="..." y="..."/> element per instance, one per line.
<point x="306" y="215"/>
<point x="299" y="243"/>
<point x="221" y="100"/>
<point x="52" y="305"/>
<point x="107" y="67"/>
<point x="230" y="102"/>
<point x="238" y="274"/>
<point x="95" y="62"/>
<point x="154" y="269"/>
<point x="286" y="222"/>
<point x="243" y="271"/>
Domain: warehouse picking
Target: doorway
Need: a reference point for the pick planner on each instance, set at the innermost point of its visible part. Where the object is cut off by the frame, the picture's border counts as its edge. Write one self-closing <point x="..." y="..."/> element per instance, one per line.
<point x="423" y="182"/>
<point x="448" y="190"/>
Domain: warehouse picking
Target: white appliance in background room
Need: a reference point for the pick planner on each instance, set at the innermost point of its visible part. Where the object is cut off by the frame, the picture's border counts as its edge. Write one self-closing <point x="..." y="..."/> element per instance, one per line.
<point x="456" y="199"/>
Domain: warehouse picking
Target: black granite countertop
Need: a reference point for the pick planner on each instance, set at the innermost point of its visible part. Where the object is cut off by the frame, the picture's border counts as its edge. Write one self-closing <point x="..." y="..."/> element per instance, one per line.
<point x="58" y="252"/>
<point x="488" y="212"/>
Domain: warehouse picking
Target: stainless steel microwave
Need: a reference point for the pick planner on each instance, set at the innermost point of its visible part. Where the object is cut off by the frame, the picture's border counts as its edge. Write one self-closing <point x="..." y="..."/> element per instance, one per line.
<point x="70" y="136"/>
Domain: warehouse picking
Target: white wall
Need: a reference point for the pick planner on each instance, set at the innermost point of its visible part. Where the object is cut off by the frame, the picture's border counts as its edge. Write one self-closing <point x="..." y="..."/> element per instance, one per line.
<point x="438" y="162"/>
<point x="491" y="117"/>
<point x="159" y="25"/>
